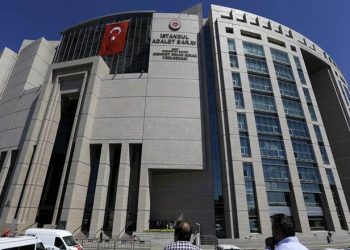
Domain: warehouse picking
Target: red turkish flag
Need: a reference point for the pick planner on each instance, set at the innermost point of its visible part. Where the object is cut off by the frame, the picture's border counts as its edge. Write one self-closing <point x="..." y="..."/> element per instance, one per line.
<point x="113" y="41"/>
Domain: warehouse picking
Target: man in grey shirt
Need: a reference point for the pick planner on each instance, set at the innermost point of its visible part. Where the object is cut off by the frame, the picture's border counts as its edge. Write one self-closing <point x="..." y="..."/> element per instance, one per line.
<point x="182" y="237"/>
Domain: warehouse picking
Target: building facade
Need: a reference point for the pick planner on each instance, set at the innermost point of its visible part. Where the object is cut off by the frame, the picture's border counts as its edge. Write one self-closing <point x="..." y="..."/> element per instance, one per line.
<point x="223" y="121"/>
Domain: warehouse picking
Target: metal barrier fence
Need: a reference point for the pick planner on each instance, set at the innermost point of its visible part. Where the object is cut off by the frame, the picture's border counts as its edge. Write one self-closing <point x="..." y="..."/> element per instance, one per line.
<point x="115" y="244"/>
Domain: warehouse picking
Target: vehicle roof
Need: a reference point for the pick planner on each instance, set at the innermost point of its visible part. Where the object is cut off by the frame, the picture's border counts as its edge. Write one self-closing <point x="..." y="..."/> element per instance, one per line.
<point x="228" y="246"/>
<point x="58" y="232"/>
<point x="7" y="242"/>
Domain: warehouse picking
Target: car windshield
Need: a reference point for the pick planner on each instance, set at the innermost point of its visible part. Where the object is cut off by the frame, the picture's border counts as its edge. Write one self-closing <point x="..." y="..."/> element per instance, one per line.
<point x="70" y="241"/>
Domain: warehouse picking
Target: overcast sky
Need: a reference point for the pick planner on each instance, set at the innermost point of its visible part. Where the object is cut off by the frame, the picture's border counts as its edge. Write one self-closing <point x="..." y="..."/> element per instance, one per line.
<point x="326" y="22"/>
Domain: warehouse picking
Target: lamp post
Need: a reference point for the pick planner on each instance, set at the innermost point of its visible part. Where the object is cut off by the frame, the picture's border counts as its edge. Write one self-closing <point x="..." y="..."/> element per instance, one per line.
<point x="198" y="241"/>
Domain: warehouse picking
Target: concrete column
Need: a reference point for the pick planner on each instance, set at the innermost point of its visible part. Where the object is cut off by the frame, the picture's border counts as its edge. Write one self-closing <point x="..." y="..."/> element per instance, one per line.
<point x="121" y="202"/>
<point x="4" y="170"/>
<point x="144" y="203"/>
<point x="98" y="211"/>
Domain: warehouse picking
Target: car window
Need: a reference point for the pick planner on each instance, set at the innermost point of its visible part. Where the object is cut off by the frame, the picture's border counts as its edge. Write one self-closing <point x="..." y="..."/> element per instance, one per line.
<point x="40" y="246"/>
<point x="59" y="243"/>
<point x="70" y="241"/>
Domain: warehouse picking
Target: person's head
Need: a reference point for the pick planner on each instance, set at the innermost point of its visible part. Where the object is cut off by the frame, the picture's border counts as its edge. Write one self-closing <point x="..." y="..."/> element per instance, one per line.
<point x="282" y="226"/>
<point x="183" y="231"/>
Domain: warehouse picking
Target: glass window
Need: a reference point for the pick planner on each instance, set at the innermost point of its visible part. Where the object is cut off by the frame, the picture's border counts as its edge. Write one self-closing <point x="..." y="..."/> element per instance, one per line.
<point x="303" y="151"/>
<point x="264" y="103"/>
<point x="250" y="194"/>
<point x="292" y="108"/>
<point x="248" y="170"/>
<point x="278" y="198"/>
<point x="284" y="72"/>
<point x="301" y="77"/>
<point x="297" y="62"/>
<point x="245" y="145"/>
<point x="312" y="199"/>
<point x="253" y="49"/>
<point x="275" y="170"/>
<point x="59" y="243"/>
<point x="280" y="56"/>
<point x="239" y="99"/>
<point x="256" y="65"/>
<point x="311" y="188"/>
<point x="233" y="61"/>
<point x="231" y="45"/>
<point x="288" y="89"/>
<point x="330" y="176"/>
<point x="298" y="128"/>
<point x="324" y="154"/>
<point x="267" y="124"/>
<point x="271" y="148"/>
<point x="308" y="174"/>
<point x="317" y="223"/>
<point x="260" y="83"/>
<point x="236" y="79"/>
<point x="70" y="241"/>
<point x="312" y="112"/>
<point x="318" y="133"/>
<point x="307" y="95"/>
<point x="242" y="122"/>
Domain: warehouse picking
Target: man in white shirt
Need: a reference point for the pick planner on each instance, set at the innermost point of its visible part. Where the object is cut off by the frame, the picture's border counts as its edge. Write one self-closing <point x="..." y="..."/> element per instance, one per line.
<point x="283" y="231"/>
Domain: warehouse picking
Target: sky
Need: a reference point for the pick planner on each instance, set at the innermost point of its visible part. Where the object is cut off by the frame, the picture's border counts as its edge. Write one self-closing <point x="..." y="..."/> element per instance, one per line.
<point x="325" y="22"/>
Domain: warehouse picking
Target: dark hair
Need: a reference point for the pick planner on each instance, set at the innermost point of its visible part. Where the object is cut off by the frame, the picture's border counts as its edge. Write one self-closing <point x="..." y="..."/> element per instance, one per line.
<point x="285" y="223"/>
<point x="183" y="231"/>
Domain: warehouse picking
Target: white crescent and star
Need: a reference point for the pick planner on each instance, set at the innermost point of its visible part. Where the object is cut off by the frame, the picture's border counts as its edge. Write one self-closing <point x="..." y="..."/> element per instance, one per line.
<point x="118" y="29"/>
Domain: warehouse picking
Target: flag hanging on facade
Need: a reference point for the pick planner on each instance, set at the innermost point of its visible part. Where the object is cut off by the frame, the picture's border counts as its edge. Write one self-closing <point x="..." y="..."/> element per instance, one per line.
<point x="114" y="38"/>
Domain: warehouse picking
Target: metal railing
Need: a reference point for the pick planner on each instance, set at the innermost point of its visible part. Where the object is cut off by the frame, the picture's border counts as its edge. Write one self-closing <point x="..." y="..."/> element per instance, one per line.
<point x="115" y="244"/>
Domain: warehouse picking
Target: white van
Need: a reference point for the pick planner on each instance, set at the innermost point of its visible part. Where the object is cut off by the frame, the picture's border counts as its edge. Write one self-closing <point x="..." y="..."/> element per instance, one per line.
<point x="21" y="243"/>
<point x="55" y="239"/>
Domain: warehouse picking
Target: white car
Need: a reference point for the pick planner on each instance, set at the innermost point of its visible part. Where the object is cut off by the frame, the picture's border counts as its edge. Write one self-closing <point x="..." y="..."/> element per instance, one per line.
<point x="21" y="242"/>
<point x="227" y="247"/>
<point x="55" y="239"/>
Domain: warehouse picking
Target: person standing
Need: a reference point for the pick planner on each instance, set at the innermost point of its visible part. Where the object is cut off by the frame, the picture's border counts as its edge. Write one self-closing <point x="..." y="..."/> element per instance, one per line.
<point x="329" y="237"/>
<point x="182" y="237"/>
<point x="283" y="231"/>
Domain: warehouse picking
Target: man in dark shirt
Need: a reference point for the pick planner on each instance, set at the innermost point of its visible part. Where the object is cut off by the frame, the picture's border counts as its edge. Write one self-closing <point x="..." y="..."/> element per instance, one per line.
<point x="182" y="237"/>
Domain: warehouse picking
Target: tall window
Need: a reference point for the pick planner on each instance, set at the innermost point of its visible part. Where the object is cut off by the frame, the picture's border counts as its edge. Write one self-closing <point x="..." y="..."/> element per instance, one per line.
<point x="232" y="53"/>
<point x="312" y="112"/>
<point x="245" y="144"/>
<point x="236" y="80"/>
<point x="307" y="95"/>
<point x="318" y="133"/>
<point x="239" y="101"/>
<point x="324" y="154"/>
<point x="302" y="77"/>
<point x="242" y="122"/>
<point x="251" y="197"/>
<point x="297" y="62"/>
<point x="277" y="179"/>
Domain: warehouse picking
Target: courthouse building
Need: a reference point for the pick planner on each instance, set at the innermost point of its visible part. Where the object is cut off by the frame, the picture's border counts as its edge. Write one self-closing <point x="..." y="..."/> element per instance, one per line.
<point x="134" y="120"/>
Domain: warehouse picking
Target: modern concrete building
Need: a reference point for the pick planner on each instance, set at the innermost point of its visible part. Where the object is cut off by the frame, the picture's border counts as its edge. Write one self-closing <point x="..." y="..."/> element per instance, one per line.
<point x="223" y="121"/>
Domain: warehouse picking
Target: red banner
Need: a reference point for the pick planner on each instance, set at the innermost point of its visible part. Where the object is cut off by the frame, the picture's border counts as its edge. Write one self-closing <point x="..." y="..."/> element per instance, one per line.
<point x="114" y="38"/>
